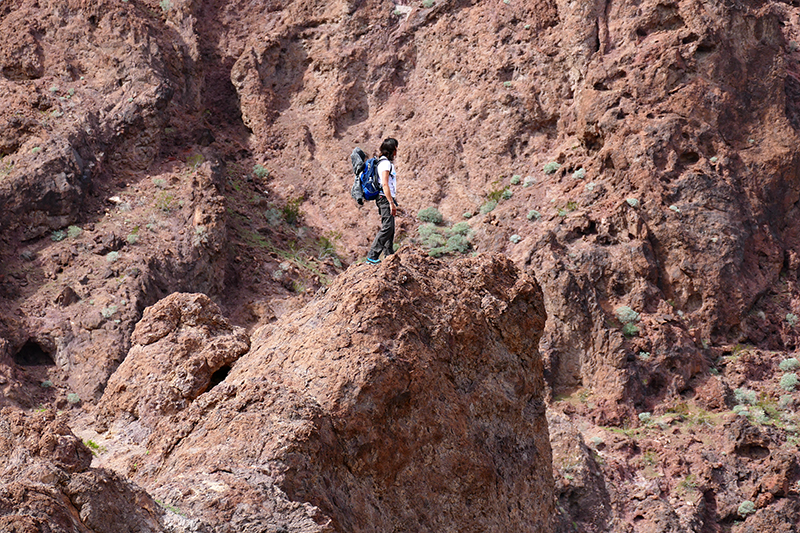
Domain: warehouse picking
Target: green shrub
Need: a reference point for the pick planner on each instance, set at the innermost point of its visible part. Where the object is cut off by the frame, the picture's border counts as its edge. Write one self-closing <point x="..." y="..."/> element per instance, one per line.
<point x="789" y="382"/>
<point x="625" y="314"/>
<point x="467" y="214"/>
<point x="787" y="365"/>
<point x="791" y="319"/>
<point x="430" y="214"/>
<point x="530" y="180"/>
<point x="507" y="194"/>
<point x="109" y="311"/>
<point x="132" y="238"/>
<point x="260" y="171"/>
<point x="58" y="235"/>
<point x="73" y="398"/>
<point x="112" y="257"/>
<point x="461" y="228"/>
<point x="195" y="160"/>
<point x="786" y="401"/>
<point x="533" y="214"/>
<point x="745" y="396"/>
<point x="515" y="238"/>
<point x="164" y="201"/>
<point x="458" y="243"/>
<point x="579" y="174"/>
<point x="291" y="211"/>
<point x="645" y="417"/>
<point x="515" y="179"/>
<point x="741" y="410"/>
<point x="488" y="207"/>
<point x="551" y="167"/>
<point x="428" y="3"/>
<point x="73" y="232"/>
<point x="630" y="330"/>
<point x="746" y="507"/>
<point x="633" y="202"/>
<point x="166" y="5"/>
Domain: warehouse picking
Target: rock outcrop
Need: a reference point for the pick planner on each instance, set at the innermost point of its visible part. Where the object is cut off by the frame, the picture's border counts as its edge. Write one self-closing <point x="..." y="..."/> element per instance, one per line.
<point x="48" y="485"/>
<point x="407" y="396"/>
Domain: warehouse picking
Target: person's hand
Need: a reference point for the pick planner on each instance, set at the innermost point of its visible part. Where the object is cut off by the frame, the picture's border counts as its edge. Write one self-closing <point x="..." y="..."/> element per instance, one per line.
<point x="394" y="209"/>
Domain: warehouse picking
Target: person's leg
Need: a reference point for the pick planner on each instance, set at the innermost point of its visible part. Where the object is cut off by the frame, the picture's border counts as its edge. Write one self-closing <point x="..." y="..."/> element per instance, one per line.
<point x="388" y="243"/>
<point x="386" y="231"/>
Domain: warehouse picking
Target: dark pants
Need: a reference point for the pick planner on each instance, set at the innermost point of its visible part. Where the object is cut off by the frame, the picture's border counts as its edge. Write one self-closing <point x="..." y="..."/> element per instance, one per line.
<point x="384" y="240"/>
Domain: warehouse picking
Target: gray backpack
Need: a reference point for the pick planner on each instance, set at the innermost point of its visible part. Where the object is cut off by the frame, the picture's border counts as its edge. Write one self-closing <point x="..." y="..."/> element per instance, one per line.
<point x="358" y="159"/>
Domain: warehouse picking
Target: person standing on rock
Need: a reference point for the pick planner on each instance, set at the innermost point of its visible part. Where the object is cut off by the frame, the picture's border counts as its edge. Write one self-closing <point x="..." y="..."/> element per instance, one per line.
<point x="386" y="202"/>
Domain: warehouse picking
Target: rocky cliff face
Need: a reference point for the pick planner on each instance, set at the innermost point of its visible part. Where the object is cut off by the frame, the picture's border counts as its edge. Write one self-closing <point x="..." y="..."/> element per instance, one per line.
<point x="638" y="158"/>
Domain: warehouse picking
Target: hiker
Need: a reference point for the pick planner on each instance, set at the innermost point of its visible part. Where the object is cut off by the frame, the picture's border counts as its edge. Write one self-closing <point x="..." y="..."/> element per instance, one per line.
<point x="386" y="202"/>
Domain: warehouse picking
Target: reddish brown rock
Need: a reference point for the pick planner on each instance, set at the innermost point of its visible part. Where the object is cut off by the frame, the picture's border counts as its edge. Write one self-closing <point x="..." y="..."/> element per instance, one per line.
<point x="409" y="395"/>
<point x="181" y="348"/>
<point x="48" y="484"/>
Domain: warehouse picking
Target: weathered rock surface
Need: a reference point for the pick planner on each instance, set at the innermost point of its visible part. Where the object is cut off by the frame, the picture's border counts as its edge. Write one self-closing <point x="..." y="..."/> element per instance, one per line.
<point x="48" y="486"/>
<point x="181" y="348"/>
<point x="407" y="396"/>
<point x="151" y="147"/>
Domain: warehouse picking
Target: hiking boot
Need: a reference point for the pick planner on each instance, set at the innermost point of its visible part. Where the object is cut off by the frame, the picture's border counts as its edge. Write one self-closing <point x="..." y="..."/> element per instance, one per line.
<point x="372" y="261"/>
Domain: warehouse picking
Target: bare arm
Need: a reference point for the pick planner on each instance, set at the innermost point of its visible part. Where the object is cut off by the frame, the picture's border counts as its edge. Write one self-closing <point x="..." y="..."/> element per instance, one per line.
<point x="387" y="191"/>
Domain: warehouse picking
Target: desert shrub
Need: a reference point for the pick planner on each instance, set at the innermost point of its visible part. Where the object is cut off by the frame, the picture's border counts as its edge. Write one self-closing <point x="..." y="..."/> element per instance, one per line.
<point x="745" y="396"/>
<point x="461" y="228"/>
<point x="530" y="180"/>
<point x="458" y="243"/>
<point x="195" y="160"/>
<point x="645" y="417"/>
<point x="626" y="315"/>
<point x="515" y="238"/>
<point x="786" y="401"/>
<point x="74" y="232"/>
<point x="467" y="214"/>
<point x="507" y="194"/>
<point x="579" y="174"/>
<point x="675" y="208"/>
<point x="132" y="238"/>
<point x="488" y="207"/>
<point x="166" y="5"/>
<point x="164" y="201"/>
<point x="746" y="507"/>
<point x="630" y="329"/>
<point x="515" y="179"/>
<point x="58" y="235"/>
<point x="787" y="365"/>
<point x="633" y="202"/>
<point x="741" y="410"/>
<point x="109" y="311"/>
<point x="533" y="214"/>
<point x="260" y="171"/>
<point x="789" y="382"/>
<point x="112" y="257"/>
<point x="430" y="214"/>
<point x="428" y="3"/>
<point x="551" y="167"/>
<point x="73" y="398"/>
<point x="291" y="211"/>
<point x="791" y="319"/>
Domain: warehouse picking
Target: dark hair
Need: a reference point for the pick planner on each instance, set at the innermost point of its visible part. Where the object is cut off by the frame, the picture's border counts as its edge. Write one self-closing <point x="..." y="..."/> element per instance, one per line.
<point x="388" y="148"/>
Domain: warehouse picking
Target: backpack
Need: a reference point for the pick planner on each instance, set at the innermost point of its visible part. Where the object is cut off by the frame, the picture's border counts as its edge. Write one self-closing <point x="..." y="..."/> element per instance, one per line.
<point x="366" y="185"/>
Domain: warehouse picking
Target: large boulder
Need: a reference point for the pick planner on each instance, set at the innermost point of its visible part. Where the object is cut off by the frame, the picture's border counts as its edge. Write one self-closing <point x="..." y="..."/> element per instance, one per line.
<point x="409" y="396"/>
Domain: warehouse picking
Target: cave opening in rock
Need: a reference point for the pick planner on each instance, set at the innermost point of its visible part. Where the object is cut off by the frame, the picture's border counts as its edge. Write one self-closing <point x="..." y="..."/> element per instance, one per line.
<point x="219" y="376"/>
<point x="32" y="354"/>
